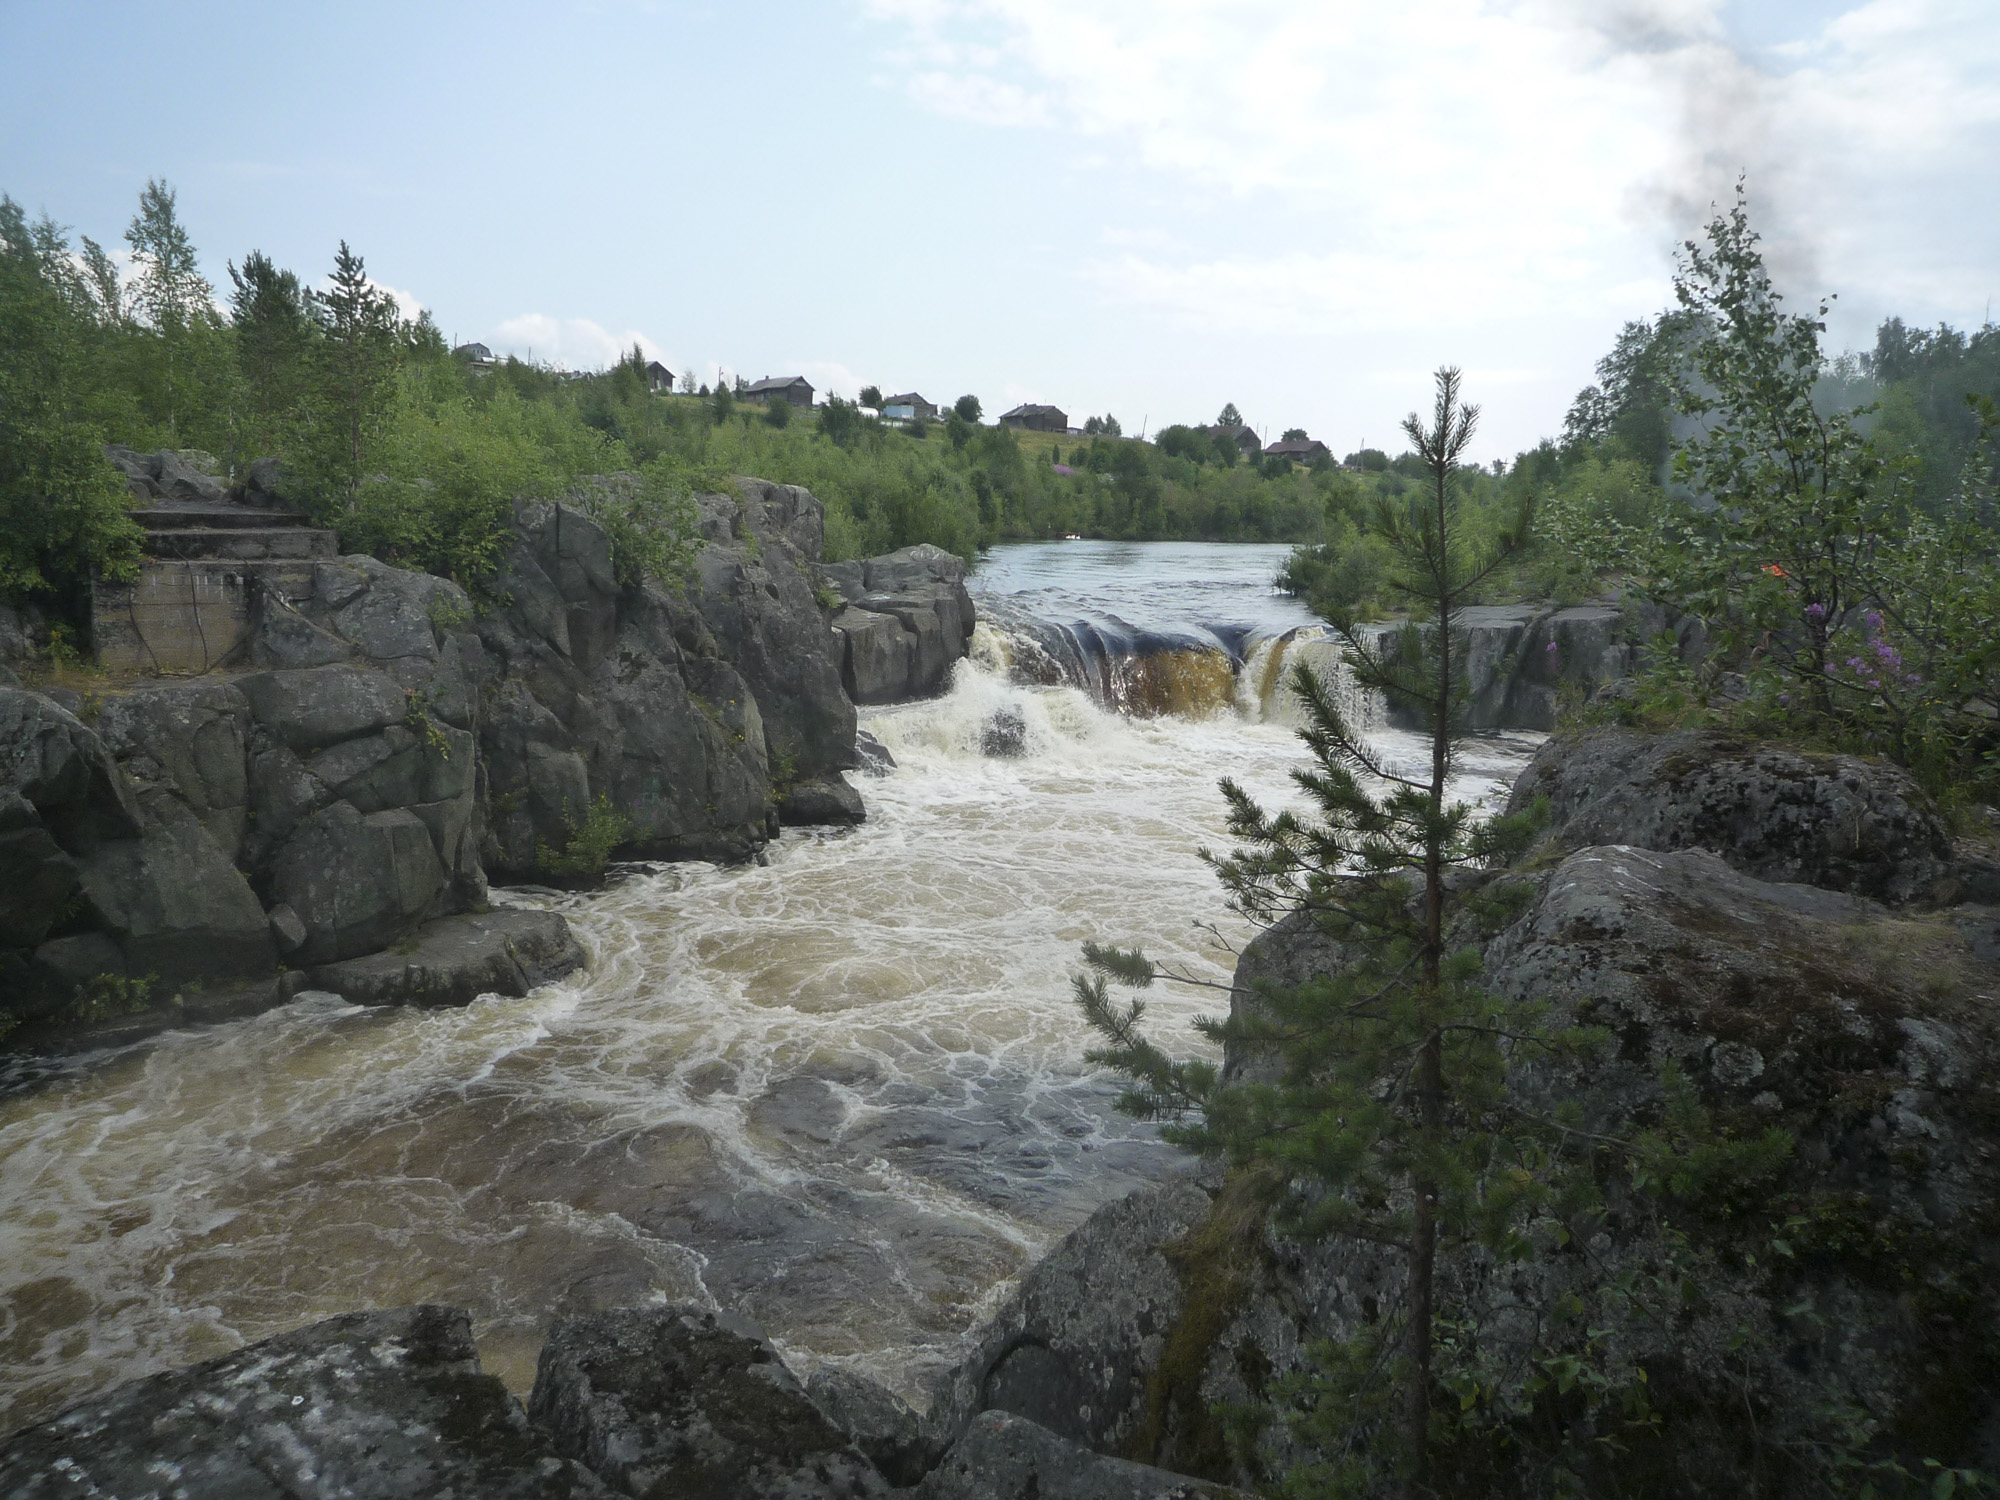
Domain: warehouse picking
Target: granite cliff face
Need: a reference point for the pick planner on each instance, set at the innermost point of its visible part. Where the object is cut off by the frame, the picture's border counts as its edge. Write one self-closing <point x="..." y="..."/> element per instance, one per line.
<point x="185" y="849"/>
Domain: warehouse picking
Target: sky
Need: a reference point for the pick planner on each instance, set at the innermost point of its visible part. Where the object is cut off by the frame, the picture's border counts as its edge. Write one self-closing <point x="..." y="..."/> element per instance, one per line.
<point x="1141" y="207"/>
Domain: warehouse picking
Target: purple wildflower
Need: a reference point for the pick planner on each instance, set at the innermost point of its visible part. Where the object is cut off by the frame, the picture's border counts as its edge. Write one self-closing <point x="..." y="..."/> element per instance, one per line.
<point x="1815" y="612"/>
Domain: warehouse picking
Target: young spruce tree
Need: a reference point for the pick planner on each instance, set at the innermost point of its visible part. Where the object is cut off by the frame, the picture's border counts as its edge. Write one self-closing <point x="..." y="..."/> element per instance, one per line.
<point x="1386" y="1121"/>
<point x="358" y="351"/>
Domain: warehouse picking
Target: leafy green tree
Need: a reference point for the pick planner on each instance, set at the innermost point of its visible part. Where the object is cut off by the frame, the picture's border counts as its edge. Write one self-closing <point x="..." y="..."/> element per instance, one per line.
<point x="1388" y="1123"/>
<point x="871" y="395"/>
<point x="966" y="409"/>
<point x="62" y="508"/>
<point x="1182" y="441"/>
<point x="778" y="413"/>
<point x="358" y="359"/>
<point x="1802" y="504"/>
<point x="1294" y="435"/>
<point x="839" y="421"/>
<point x="1229" y="416"/>
<point x="175" y="305"/>
<point x="721" y="405"/>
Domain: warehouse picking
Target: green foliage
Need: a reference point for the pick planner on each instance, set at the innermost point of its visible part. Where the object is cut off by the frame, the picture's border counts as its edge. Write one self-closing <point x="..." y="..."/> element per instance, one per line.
<point x="593" y="834"/>
<point x="105" y="997"/>
<point x="840" y="422"/>
<point x="650" y="518"/>
<point x="417" y="719"/>
<point x="357" y="366"/>
<point x="62" y="508"/>
<point x="966" y="409"/>
<point x="778" y="414"/>
<point x="1856" y="615"/>
<point x="277" y="343"/>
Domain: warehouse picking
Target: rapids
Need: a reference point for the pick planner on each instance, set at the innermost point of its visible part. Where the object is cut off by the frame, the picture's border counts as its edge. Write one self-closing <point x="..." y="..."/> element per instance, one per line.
<point x="842" y="1091"/>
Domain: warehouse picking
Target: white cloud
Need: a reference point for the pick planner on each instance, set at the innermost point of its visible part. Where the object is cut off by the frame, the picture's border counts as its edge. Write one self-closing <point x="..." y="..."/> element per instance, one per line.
<point x="1494" y="169"/>
<point x="571" y="343"/>
<point x="407" y="305"/>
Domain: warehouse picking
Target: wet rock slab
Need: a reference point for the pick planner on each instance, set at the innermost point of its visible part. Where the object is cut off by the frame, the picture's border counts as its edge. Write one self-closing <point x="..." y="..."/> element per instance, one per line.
<point x="455" y="960"/>
<point x="365" y="1406"/>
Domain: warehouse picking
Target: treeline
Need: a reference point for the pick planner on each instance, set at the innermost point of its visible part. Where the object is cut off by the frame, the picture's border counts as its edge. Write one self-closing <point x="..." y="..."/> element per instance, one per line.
<point x="1914" y="400"/>
<point x="419" y="458"/>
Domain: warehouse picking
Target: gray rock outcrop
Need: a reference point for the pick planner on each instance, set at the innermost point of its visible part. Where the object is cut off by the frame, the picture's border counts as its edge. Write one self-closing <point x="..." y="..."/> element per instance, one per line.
<point x="365" y="1406"/>
<point x="1075" y="1345"/>
<point x="688" y="711"/>
<point x="1836" y="821"/>
<point x="905" y="619"/>
<point x="331" y="810"/>
<point x="678" y="1401"/>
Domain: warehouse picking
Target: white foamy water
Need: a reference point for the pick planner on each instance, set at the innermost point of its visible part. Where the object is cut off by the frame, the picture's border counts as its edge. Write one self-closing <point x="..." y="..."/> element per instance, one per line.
<point x="842" y="1092"/>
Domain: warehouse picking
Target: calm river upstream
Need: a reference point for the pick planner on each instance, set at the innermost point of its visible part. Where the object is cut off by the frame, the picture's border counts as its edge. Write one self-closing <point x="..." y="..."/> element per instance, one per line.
<point x="842" y="1092"/>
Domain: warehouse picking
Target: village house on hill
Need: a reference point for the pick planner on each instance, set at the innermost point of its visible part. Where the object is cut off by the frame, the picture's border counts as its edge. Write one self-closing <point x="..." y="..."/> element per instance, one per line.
<point x="658" y="377"/>
<point x="1301" y="451"/>
<point x="909" y="407"/>
<point x="793" y="388"/>
<point x="1033" y="418"/>
<point x="477" y="357"/>
<point x="1245" y="438"/>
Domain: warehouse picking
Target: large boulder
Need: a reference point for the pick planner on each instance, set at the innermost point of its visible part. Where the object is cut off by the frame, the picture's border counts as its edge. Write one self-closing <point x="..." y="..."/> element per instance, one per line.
<point x="1077" y="1345"/>
<point x="907" y="618"/>
<point x="358" y="882"/>
<point x="190" y="738"/>
<point x="678" y="1401"/>
<point x="37" y="879"/>
<point x="757" y="600"/>
<point x="174" y="903"/>
<point x="1836" y="821"/>
<point x="365" y="1406"/>
<point x="60" y="766"/>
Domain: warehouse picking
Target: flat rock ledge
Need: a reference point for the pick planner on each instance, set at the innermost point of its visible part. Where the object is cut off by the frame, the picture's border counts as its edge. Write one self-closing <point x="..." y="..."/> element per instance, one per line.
<point x="455" y="960"/>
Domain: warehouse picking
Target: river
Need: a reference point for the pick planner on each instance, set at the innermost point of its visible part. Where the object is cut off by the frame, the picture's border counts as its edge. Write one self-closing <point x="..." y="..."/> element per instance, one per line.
<point x="842" y="1091"/>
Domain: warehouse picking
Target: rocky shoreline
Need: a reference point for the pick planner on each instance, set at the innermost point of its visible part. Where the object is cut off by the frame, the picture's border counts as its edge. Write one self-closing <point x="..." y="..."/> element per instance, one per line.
<point x="325" y="809"/>
<point x="1791" y="930"/>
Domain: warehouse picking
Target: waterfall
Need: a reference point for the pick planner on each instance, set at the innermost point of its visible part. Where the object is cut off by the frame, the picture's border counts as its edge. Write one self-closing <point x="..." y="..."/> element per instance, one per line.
<point x="1140" y="673"/>
<point x="1195" y="671"/>
<point x="1262" y="693"/>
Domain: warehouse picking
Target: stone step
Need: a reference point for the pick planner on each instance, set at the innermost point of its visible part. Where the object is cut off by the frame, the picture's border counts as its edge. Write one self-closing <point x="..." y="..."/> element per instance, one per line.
<point x="215" y="518"/>
<point x="243" y="544"/>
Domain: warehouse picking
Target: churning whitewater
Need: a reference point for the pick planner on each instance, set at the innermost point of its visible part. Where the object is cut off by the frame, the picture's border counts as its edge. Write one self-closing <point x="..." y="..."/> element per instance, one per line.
<point x="842" y="1091"/>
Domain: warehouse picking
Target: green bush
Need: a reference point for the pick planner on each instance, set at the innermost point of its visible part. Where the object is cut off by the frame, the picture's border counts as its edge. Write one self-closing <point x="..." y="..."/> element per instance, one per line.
<point x="593" y="834"/>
